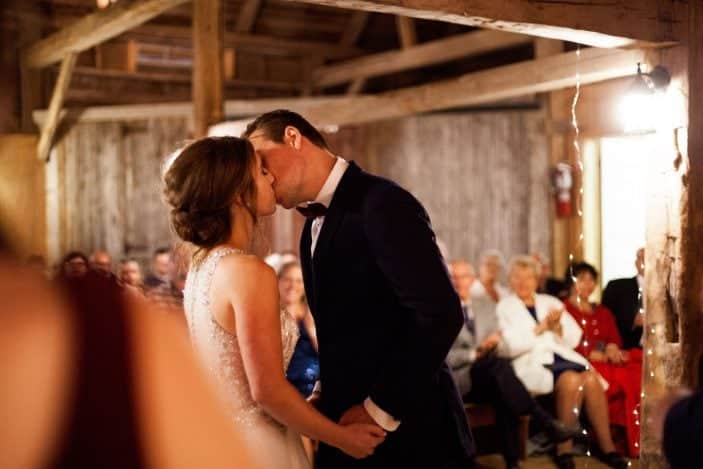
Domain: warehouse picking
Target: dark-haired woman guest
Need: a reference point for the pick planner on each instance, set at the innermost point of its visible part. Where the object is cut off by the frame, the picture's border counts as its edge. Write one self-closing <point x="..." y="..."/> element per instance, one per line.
<point x="602" y="346"/>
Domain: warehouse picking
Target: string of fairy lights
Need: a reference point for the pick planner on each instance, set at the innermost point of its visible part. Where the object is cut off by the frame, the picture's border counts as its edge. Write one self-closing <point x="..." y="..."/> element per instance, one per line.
<point x="579" y="213"/>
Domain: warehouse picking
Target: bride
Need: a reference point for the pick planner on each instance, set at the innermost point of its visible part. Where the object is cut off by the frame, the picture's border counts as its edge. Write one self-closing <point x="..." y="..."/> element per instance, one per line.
<point x="217" y="189"/>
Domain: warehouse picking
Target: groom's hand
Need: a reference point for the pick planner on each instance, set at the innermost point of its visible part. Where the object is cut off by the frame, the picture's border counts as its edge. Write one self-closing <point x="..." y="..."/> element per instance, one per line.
<point x="356" y="414"/>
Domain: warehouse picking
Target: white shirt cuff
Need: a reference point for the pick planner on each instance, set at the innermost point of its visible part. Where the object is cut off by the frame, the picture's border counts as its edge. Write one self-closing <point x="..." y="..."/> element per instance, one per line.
<point x="317" y="387"/>
<point x="383" y="419"/>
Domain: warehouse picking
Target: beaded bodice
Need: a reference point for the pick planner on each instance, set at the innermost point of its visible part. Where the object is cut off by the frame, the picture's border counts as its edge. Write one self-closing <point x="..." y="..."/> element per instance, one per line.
<point x="218" y="349"/>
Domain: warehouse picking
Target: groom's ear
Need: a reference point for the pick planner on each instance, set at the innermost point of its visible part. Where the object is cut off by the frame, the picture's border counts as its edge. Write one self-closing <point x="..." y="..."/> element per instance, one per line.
<point x="292" y="137"/>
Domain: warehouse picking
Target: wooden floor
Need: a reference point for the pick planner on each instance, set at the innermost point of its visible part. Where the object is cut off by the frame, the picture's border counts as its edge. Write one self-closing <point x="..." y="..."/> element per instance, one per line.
<point x="494" y="461"/>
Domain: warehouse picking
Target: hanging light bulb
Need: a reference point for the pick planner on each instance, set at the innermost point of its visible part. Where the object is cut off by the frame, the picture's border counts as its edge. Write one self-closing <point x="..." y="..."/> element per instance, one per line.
<point x="105" y="3"/>
<point x="641" y="106"/>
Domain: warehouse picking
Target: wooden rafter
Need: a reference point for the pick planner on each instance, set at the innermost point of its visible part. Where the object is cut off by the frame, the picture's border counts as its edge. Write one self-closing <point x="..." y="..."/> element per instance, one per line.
<point x="488" y="86"/>
<point x="407" y="35"/>
<point x="429" y="53"/>
<point x="473" y="89"/>
<point x="175" y="77"/>
<point x="259" y="43"/>
<point x="613" y="23"/>
<point x="54" y="115"/>
<point x="233" y="109"/>
<point x="351" y="35"/>
<point x="247" y="16"/>
<point x="208" y="70"/>
<point x="94" y="29"/>
<point x="355" y="26"/>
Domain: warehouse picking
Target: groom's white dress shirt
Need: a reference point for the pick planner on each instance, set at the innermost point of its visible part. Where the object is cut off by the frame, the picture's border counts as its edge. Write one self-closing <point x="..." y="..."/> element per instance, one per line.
<point x="324" y="197"/>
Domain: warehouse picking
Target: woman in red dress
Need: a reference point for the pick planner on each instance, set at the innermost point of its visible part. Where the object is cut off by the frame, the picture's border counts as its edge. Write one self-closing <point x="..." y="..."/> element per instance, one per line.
<point x="602" y="346"/>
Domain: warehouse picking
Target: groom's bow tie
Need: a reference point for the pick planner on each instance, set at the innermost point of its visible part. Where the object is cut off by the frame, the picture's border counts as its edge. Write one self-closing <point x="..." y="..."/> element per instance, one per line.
<point x="312" y="210"/>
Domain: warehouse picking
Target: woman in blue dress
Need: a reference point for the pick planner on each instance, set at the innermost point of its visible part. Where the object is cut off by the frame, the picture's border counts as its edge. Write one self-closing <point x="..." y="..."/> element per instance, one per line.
<point x="304" y="368"/>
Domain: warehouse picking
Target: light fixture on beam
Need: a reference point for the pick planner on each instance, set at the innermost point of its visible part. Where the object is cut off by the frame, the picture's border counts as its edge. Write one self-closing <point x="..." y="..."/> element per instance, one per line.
<point x="642" y="105"/>
<point x="105" y="3"/>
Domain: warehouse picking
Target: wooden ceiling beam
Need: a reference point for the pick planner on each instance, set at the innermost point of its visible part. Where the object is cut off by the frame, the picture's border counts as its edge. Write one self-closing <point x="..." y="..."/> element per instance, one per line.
<point x="247" y="16"/>
<point x="351" y="35"/>
<point x="407" y="34"/>
<point x="430" y="53"/>
<point x="612" y="23"/>
<point x="259" y="43"/>
<point x="355" y="27"/>
<point x="487" y="86"/>
<point x="473" y="89"/>
<point x="208" y="70"/>
<point x="175" y="77"/>
<point x="256" y="43"/>
<point x="48" y="129"/>
<point x="233" y="109"/>
<point x="95" y="28"/>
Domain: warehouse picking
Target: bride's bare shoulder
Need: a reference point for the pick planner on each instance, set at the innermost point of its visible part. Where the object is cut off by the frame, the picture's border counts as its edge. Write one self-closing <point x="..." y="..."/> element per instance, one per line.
<point x="246" y="268"/>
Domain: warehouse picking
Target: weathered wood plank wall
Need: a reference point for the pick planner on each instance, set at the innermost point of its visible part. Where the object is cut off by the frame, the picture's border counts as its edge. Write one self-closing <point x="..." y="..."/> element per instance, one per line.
<point x="483" y="177"/>
<point x="109" y="193"/>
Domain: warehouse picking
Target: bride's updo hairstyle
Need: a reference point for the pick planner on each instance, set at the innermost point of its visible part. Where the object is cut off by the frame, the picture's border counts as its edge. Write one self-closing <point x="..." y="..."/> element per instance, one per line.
<point x="202" y="183"/>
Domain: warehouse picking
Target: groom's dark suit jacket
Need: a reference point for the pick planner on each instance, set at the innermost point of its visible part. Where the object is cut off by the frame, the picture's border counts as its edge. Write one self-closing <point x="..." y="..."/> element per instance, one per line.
<point x="386" y="316"/>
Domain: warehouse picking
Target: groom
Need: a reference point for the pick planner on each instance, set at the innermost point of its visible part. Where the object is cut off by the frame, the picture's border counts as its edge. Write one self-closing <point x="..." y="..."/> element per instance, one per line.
<point x="384" y="307"/>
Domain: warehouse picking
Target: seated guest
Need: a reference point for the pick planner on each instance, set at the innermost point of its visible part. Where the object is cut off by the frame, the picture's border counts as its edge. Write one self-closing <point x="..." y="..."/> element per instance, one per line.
<point x="164" y="285"/>
<point x="547" y="284"/>
<point x="74" y="264"/>
<point x="602" y="346"/>
<point x="488" y="274"/>
<point x="130" y="274"/>
<point x="101" y="262"/>
<point x="484" y="377"/>
<point x="168" y="295"/>
<point x="279" y="259"/>
<point x="304" y="368"/>
<point x="160" y="269"/>
<point x="540" y="339"/>
<point x="623" y="298"/>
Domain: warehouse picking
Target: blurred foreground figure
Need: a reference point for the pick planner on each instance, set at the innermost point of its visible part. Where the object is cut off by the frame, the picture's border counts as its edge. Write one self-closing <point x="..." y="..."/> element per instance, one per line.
<point x="89" y="381"/>
<point x="680" y="418"/>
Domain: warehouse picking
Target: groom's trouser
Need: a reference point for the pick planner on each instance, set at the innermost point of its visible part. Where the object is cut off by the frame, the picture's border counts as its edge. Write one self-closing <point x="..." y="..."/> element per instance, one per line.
<point x="429" y="441"/>
<point x="438" y="460"/>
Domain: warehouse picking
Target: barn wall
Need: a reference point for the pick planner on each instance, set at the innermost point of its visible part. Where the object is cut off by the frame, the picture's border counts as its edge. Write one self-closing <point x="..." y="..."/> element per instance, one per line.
<point x="108" y="193"/>
<point x="482" y="177"/>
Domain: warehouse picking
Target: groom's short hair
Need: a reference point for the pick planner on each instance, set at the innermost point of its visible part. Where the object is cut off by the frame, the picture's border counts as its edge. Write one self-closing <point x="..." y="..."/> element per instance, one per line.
<point x="274" y="123"/>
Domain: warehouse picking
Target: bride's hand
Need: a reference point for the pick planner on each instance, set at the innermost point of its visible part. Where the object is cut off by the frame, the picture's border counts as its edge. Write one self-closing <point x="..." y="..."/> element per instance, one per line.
<point x="359" y="440"/>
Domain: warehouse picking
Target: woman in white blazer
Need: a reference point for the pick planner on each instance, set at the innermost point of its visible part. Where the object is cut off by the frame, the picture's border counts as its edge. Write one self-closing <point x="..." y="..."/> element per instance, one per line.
<point x="540" y="339"/>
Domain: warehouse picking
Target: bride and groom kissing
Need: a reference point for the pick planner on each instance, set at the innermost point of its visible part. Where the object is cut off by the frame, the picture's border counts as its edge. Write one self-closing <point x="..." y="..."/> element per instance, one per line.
<point x="384" y="307"/>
